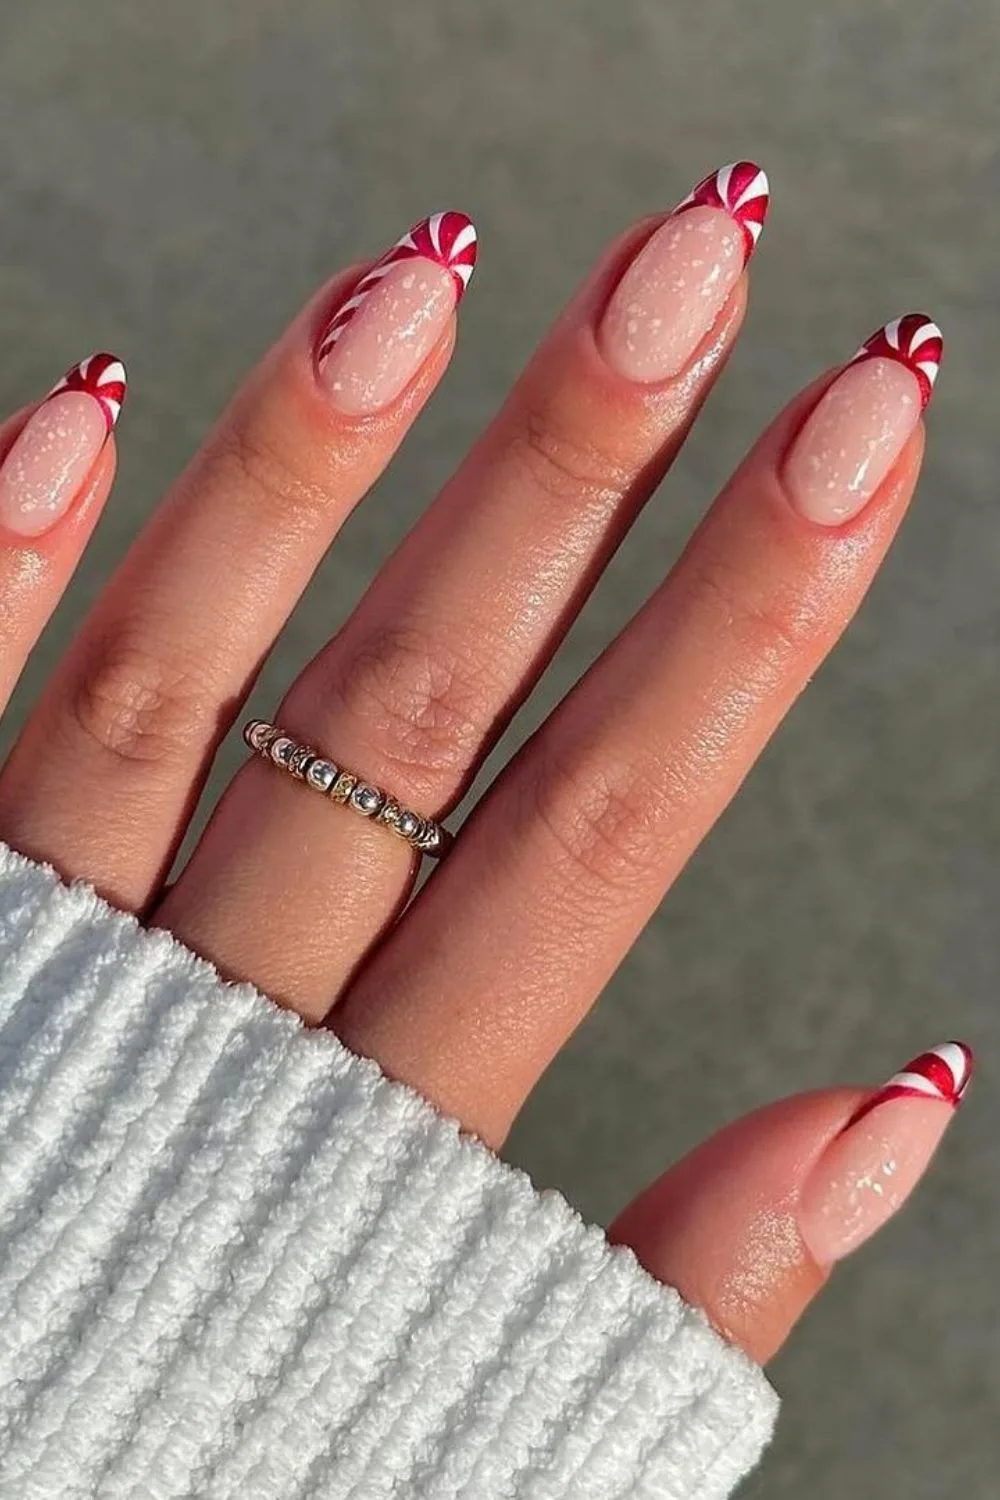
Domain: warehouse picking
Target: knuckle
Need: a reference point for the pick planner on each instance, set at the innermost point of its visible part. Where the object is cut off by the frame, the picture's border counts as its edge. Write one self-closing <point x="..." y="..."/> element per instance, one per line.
<point x="258" y="468"/>
<point x="564" y="466"/>
<point x="138" y="708"/>
<point x="606" y="825"/>
<point x="426" y="706"/>
<point x="774" y="627"/>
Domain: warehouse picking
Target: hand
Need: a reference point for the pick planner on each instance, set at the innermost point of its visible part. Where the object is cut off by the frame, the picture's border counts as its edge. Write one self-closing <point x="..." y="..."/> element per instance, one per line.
<point x="468" y="992"/>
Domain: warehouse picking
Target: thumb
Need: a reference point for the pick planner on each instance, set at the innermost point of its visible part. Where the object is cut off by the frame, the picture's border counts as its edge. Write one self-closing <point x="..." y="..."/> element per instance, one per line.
<point x="748" y="1226"/>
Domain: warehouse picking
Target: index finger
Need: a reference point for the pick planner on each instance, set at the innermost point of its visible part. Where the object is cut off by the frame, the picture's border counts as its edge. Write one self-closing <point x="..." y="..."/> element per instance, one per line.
<point x="153" y="679"/>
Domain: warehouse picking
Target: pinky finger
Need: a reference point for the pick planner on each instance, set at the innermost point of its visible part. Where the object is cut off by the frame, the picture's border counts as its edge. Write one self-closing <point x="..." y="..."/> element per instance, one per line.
<point x="57" y="462"/>
<point x="749" y="1225"/>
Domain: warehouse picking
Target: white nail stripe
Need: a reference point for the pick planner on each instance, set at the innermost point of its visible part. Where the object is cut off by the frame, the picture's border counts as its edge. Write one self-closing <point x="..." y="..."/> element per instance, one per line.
<point x="916" y="1083"/>
<point x="113" y="374"/>
<point x="367" y="284"/>
<point x="924" y="332"/>
<point x="951" y="1054"/>
<point x="352" y="303"/>
<point x="929" y="368"/>
<point x="722" y="181"/>
<point x="434" y="229"/>
<point x="954" y="1059"/>
<point x="758" y="188"/>
<point x="892" y="333"/>
<point x="463" y="240"/>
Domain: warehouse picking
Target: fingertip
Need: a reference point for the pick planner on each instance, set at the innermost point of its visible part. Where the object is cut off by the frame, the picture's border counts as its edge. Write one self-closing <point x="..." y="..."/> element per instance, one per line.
<point x="749" y="1225"/>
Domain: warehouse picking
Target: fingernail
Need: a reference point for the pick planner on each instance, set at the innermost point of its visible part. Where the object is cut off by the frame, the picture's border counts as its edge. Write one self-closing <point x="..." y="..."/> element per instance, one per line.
<point x="863" y="421"/>
<point x="56" y="449"/>
<point x="871" y="1168"/>
<point x="378" y="339"/>
<point x="672" y="293"/>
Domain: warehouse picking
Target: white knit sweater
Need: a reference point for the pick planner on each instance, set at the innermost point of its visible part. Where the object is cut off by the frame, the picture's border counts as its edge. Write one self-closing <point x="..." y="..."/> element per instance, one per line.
<point x="236" y="1261"/>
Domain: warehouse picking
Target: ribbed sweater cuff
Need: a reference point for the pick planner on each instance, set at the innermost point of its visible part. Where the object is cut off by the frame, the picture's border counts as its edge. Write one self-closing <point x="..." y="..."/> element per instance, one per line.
<point x="236" y="1261"/>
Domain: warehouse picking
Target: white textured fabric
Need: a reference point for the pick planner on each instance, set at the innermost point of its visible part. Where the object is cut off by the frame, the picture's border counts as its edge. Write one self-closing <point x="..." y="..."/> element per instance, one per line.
<point x="236" y="1261"/>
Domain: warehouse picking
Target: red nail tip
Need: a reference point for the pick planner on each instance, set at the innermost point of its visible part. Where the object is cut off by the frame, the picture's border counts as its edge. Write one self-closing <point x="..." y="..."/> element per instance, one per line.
<point x="742" y="190"/>
<point x="449" y="239"/>
<point x="943" y="1073"/>
<point x="101" y="376"/>
<point x="914" y="341"/>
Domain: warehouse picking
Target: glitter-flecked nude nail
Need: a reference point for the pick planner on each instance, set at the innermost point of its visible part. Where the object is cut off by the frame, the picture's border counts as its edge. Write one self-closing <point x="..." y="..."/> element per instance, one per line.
<point x="671" y="295"/>
<point x="869" y="1170"/>
<point x="377" y="340"/>
<point x="49" y="461"/>
<point x="853" y="438"/>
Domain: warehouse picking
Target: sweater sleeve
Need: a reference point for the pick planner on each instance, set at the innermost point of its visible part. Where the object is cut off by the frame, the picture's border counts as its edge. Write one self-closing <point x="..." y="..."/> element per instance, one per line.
<point x="237" y="1261"/>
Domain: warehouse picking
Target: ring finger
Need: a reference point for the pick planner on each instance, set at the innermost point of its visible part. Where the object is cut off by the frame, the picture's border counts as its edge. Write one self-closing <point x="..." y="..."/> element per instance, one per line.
<point x="457" y="627"/>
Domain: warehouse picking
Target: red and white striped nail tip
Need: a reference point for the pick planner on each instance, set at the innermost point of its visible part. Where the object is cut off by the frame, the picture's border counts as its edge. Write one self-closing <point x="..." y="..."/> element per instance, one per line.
<point x="101" y="376"/>
<point x="448" y="239"/>
<point x="914" y="341"/>
<point x="943" y="1073"/>
<point x="742" y="189"/>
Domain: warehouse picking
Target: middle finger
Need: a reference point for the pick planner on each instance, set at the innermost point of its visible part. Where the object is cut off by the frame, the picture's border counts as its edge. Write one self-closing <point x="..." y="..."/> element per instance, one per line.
<point x="457" y="627"/>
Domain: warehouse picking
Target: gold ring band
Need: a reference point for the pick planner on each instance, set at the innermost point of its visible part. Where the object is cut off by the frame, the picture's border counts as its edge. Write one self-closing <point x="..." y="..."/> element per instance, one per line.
<point x="345" y="787"/>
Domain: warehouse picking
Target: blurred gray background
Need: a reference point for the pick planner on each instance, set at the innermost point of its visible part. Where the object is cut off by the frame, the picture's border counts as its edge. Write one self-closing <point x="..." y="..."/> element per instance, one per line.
<point x="176" y="178"/>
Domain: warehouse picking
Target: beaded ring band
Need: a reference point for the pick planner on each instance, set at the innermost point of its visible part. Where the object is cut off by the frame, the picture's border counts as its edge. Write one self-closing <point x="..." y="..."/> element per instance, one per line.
<point x="323" y="775"/>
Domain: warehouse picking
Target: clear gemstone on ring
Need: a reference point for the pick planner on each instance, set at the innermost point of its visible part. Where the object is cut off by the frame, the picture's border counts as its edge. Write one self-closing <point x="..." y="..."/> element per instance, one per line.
<point x="321" y="774"/>
<point x="367" y="799"/>
<point x="408" y="825"/>
<point x="281" y="751"/>
<point x="257" y="734"/>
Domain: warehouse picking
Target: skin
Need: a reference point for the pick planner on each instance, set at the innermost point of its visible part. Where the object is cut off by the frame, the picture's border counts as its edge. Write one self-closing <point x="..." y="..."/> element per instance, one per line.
<point x="577" y="841"/>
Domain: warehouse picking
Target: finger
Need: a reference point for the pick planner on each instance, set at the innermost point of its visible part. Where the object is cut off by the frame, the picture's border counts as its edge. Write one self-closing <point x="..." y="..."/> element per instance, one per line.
<point x="575" y="846"/>
<point x="57" y="463"/>
<point x="455" y="630"/>
<point x="162" y="664"/>
<point x="750" y="1224"/>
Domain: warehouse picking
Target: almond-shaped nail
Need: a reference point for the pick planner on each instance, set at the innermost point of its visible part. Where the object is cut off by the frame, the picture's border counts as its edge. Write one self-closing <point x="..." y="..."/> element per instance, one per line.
<point x="378" y="339"/>
<point x="671" y="295"/>
<point x="868" y="1171"/>
<point x="861" y="424"/>
<point x="50" y="459"/>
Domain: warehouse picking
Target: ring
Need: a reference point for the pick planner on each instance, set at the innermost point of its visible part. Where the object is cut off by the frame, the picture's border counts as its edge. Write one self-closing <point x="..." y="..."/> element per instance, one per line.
<point x="321" y="774"/>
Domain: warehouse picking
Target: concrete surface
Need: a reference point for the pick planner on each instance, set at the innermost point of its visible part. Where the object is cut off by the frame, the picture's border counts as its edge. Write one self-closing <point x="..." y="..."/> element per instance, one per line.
<point x="174" y="180"/>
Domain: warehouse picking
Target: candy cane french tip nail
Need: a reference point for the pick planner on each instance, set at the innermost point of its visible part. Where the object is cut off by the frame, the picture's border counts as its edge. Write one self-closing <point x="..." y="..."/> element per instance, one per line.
<point x="868" y="1171"/>
<point x="860" y="426"/>
<point x="378" y="338"/>
<point x="671" y="295"/>
<point x="49" y="461"/>
<point x="742" y="189"/>
<point x="944" y="1073"/>
<point x="914" y="341"/>
<point x="101" y="376"/>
